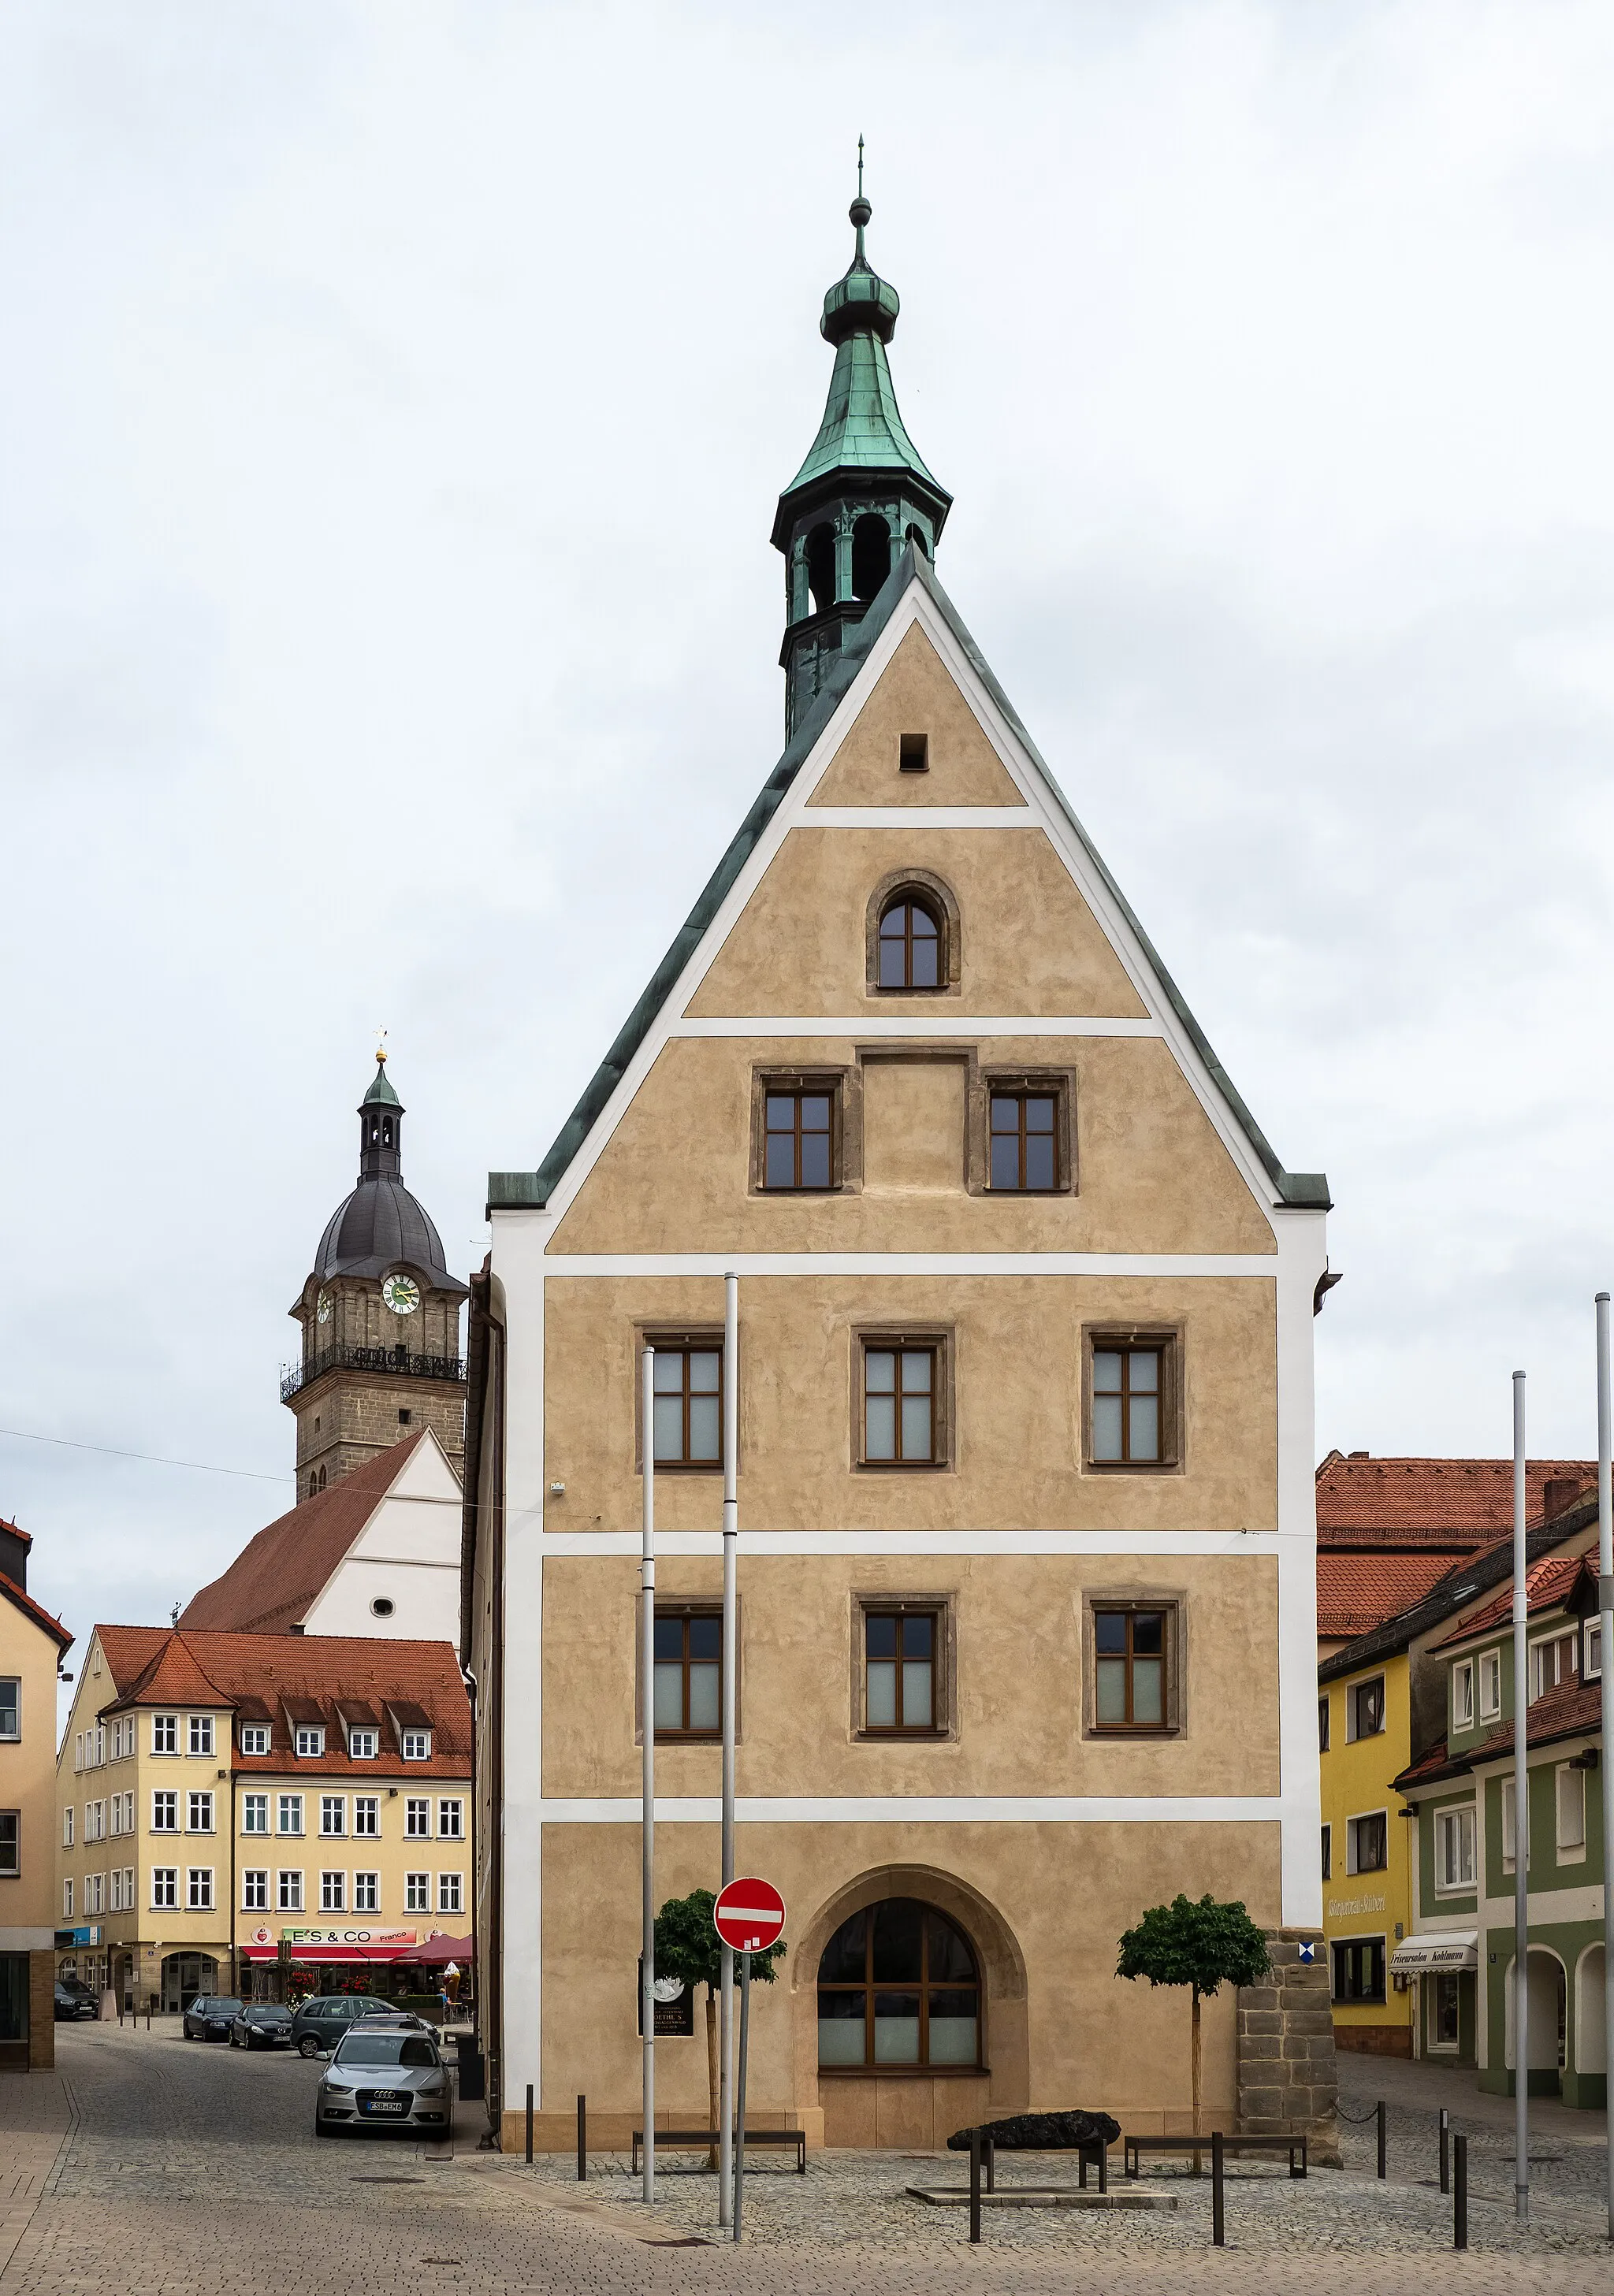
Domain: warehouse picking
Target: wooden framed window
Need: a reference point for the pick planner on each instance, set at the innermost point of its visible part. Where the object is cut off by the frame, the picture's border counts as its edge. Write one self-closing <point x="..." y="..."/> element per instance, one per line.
<point x="688" y="1405"/>
<point x="911" y="951"/>
<point x="688" y="1673"/>
<point x="901" y="1673"/>
<point x="1024" y="1139"/>
<point x="1128" y="1403"/>
<point x="799" y="1131"/>
<point x="902" y="1404"/>
<point x="1130" y="1668"/>
<point x="898" y="1986"/>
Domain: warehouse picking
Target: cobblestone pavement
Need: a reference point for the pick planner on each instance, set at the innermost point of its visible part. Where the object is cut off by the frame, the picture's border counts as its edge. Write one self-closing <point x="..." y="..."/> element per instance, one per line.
<point x="191" y="2169"/>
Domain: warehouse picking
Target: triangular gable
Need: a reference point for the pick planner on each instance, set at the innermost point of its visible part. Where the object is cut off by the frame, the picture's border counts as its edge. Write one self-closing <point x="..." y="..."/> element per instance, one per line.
<point x="911" y="594"/>
<point x="173" y="1676"/>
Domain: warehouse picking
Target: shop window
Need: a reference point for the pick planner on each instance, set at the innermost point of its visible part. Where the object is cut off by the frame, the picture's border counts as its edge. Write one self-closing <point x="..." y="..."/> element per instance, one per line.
<point x="1359" y="1969"/>
<point x="898" y="1986"/>
<point x="1444" y="2000"/>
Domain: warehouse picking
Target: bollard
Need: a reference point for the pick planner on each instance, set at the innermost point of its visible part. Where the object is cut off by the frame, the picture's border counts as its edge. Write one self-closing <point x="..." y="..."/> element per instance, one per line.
<point x="1460" y="2193"/>
<point x="582" y="2140"/>
<point x="529" y="2124"/>
<point x="1103" y="2166"/>
<point x="1379" y="2116"/>
<point x="989" y="2154"/>
<point x="975" y="2188"/>
<point x="1445" y="2150"/>
<point x="1218" y="2216"/>
<point x="148" y="2013"/>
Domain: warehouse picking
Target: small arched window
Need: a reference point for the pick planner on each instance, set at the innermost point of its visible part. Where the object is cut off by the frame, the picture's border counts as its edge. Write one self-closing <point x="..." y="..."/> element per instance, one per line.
<point x="313" y="1485"/>
<point x="871" y="556"/>
<point x="911" y="948"/>
<point x="322" y="1478"/>
<point x="916" y="537"/>
<point x="898" y="1986"/>
<point x="386" y="1132"/>
<point x="820" y="567"/>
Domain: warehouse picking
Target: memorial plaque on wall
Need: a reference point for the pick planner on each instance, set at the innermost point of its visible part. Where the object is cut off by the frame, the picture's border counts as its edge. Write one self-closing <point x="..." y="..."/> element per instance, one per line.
<point x="674" y="2007"/>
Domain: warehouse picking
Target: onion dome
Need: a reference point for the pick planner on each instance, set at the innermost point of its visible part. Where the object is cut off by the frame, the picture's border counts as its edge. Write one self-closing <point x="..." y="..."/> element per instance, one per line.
<point x="381" y="1223"/>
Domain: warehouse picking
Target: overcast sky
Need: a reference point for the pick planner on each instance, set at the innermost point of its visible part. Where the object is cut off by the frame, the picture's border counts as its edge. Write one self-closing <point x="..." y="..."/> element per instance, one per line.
<point x="395" y="401"/>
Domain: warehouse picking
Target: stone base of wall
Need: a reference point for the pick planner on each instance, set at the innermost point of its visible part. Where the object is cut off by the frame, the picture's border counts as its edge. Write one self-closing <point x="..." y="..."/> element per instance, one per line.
<point x="1288" y="2077"/>
<point x="1375" y="2040"/>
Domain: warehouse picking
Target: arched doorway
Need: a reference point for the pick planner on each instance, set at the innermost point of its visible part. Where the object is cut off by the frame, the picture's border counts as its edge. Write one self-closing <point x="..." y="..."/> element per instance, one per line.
<point x="1548" y="1999"/>
<point x="908" y="2010"/>
<point x="1583" y="2083"/>
<point x="185" y="1975"/>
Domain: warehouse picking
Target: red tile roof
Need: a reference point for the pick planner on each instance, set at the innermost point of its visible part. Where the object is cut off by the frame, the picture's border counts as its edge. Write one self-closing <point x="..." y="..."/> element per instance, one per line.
<point x="17" y="1532"/>
<point x="1560" y="1713"/>
<point x="1548" y="1585"/>
<point x="1458" y="1503"/>
<point x="274" y="1578"/>
<point x="310" y="1675"/>
<point x="1356" y="1593"/>
<point x="30" y="1609"/>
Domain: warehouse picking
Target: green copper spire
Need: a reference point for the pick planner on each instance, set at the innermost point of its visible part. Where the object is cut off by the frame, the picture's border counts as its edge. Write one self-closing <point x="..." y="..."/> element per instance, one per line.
<point x="381" y="1093"/>
<point x="863" y="493"/>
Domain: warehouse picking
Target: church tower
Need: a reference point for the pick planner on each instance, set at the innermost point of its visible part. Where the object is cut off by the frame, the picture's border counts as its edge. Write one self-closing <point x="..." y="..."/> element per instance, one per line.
<point x="862" y="495"/>
<point x="380" y="1318"/>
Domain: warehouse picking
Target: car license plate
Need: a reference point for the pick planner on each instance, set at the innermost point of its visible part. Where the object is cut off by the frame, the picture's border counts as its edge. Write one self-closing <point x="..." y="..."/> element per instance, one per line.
<point x="386" y="2104"/>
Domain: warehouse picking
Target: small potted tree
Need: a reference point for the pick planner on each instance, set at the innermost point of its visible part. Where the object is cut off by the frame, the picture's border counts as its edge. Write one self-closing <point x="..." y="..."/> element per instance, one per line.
<point x="688" y="1947"/>
<point x="1204" y="1945"/>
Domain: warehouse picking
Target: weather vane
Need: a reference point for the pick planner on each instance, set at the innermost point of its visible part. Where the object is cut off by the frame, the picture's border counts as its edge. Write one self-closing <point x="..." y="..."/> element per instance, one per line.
<point x="859" y="167"/>
<point x="381" y="1047"/>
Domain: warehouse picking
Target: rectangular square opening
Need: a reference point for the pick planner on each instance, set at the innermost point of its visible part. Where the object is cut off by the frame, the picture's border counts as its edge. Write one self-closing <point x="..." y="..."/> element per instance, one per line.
<point x="913" y="753"/>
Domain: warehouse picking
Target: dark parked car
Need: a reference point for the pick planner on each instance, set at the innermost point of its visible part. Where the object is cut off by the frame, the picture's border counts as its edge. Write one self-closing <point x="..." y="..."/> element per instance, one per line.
<point x="262" y="2025"/>
<point x="383" y="2080"/>
<point x="210" y="2016"/>
<point x="320" y="2023"/>
<point x="74" y="1999"/>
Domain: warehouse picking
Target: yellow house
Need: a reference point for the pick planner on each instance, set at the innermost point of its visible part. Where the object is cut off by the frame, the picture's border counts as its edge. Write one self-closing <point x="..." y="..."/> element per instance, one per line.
<point x="32" y="1644"/>
<point x="1364" y="1740"/>
<point x="220" y="1792"/>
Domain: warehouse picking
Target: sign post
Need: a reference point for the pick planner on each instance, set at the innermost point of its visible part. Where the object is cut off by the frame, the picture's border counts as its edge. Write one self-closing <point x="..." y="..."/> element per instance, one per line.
<point x="1521" y="1823"/>
<point x="731" y="1517"/>
<point x="749" y="1917"/>
<point x="647" y="1784"/>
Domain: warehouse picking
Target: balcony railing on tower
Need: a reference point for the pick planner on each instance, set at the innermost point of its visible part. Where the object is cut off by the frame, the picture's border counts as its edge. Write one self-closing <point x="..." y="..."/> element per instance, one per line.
<point x="293" y="1377"/>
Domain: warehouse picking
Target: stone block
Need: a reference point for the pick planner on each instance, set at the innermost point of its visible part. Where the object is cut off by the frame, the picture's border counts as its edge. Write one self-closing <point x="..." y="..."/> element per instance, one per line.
<point x="1258" y="1996"/>
<point x="1255" y="2022"/>
<point x="1257" y="2100"/>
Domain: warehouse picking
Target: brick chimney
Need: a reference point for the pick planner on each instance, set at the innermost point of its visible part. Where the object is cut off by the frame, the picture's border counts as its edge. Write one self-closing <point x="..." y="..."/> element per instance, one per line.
<point x="1559" y="1496"/>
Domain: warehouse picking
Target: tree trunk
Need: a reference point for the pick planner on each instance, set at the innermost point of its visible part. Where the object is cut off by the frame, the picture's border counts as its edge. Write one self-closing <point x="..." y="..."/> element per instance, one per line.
<point x="1196" y="2076"/>
<point x="712" y="2080"/>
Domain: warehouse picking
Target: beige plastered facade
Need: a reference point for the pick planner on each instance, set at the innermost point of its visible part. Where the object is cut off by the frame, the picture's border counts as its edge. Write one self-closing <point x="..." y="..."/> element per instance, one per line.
<point x="30" y="1655"/>
<point x="1042" y="1838"/>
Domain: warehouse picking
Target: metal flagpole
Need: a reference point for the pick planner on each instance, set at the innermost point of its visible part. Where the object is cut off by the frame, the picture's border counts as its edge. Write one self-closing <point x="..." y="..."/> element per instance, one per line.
<point x="1521" y="1830"/>
<point x="731" y="1513"/>
<point x="648" y="1724"/>
<point x="1605" y="1650"/>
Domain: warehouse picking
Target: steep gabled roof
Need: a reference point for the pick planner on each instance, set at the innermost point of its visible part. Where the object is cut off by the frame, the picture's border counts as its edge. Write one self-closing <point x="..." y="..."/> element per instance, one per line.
<point x="1549" y="1584"/>
<point x="1357" y="1593"/>
<point x="171" y="1676"/>
<point x="1467" y="1580"/>
<point x="1456" y="1503"/>
<point x="1573" y="1710"/>
<point x="274" y="1578"/>
<point x="30" y="1609"/>
<point x="521" y="1191"/>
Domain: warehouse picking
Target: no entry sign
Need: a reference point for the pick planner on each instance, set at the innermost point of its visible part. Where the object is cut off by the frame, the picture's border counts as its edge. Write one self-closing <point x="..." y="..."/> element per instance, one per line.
<point x="749" y="1915"/>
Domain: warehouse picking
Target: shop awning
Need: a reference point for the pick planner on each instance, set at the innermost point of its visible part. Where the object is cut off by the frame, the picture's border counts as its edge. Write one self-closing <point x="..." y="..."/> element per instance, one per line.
<point x="1438" y="1949"/>
<point x="324" y="1954"/>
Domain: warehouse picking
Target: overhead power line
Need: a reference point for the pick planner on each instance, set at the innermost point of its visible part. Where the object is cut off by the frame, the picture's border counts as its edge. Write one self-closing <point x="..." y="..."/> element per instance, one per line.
<point x="150" y="1458"/>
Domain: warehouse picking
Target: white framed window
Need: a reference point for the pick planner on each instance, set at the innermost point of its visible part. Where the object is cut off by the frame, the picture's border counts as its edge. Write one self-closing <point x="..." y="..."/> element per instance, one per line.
<point x="255" y="1889"/>
<point x="417" y="1745"/>
<point x="1364" y="1707"/>
<point x="100" y="1744"/>
<point x="11" y="1707"/>
<point x="1508" y="1830"/>
<point x="199" y="1889"/>
<point x="310" y="1741"/>
<point x="67" y="1827"/>
<point x="95" y="1893"/>
<point x="451" y="1893"/>
<point x="1571" y="1810"/>
<point x="451" y="1819"/>
<point x="367" y="1815"/>
<point x="202" y="1733"/>
<point x="1454" y="1848"/>
<point x="115" y="1891"/>
<point x="255" y="1813"/>
<point x="1590" y="1663"/>
<point x="165" y="1734"/>
<point x="67" y="1898"/>
<point x="165" y="1886"/>
<point x="417" y="1893"/>
<point x="1463" y="1695"/>
<point x="288" y="1817"/>
<point x="96" y="1822"/>
<point x="1490" y="1685"/>
<point x="333" y="1893"/>
<point x="255" y="1737"/>
<point x="333" y="1813"/>
<point x="165" y="1812"/>
<point x="199" y="1813"/>
<point x="288" y="1891"/>
<point x="11" y="1842"/>
<point x="78" y="1749"/>
<point x="417" y="1819"/>
<point x="364" y="1745"/>
<point x="1552" y="1662"/>
<point x="366" y="1893"/>
<point x="1367" y="1842"/>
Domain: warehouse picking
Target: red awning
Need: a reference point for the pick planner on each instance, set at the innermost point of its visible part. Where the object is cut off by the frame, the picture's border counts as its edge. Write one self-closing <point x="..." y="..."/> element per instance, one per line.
<point x="324" y="1954"/>
<point x="439" y="1950"/>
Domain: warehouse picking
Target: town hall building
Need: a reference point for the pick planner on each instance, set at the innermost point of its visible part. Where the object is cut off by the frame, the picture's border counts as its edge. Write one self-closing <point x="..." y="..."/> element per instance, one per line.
<point x="1026" y="1616"/>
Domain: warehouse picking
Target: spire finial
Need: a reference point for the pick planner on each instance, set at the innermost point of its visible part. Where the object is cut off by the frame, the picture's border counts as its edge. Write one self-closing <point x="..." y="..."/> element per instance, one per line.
<point x="860" y="212"/>
<point x="381" y="1048"/>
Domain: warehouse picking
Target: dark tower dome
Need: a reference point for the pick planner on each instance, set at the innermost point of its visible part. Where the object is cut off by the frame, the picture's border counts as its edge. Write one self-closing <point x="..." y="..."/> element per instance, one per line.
<point x="381" y="1222"/>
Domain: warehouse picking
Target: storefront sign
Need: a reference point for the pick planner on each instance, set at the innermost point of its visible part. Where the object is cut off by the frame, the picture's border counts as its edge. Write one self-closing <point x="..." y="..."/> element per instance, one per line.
<point x="1340" y="1909"/>
<point x="86" y="1933"/>
<point x="339" y="1937"/>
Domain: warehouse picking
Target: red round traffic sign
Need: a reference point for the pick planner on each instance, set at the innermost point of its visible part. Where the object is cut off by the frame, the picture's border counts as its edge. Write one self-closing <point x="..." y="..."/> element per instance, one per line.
<point x="749" y="1915"/>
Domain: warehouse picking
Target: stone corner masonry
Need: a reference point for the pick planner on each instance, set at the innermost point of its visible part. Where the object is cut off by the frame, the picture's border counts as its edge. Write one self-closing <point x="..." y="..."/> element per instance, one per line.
<point x="1287" y="2080"/>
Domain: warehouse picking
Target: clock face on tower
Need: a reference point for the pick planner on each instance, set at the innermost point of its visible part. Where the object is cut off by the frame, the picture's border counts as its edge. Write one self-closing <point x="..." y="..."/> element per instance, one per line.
<point x="401" y="1294"/>
<point x="322" y="1307"/>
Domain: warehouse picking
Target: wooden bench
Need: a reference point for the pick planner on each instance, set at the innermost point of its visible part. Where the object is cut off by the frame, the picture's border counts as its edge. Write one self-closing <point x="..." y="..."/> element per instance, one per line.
<point x="1097" y="2153"/>
<point x="1136" y="2146"/>
<point x="707" y="2140"/>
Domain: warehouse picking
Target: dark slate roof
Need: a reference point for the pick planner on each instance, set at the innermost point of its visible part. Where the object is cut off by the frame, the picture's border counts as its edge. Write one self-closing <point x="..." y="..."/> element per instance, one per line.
<point x="374" y="1228"/>
<point x="521" y="1191"/>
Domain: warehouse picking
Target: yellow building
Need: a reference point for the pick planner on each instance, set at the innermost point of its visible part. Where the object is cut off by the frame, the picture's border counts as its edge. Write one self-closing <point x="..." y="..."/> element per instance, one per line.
<point x="1364" y="1739"/>
<point x="218" y="1792"/>
<point x="32" y="1646"/>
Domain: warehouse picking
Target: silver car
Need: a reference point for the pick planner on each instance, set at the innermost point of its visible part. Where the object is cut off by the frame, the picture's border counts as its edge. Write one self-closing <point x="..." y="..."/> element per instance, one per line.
<point x="384" y="2078"/>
